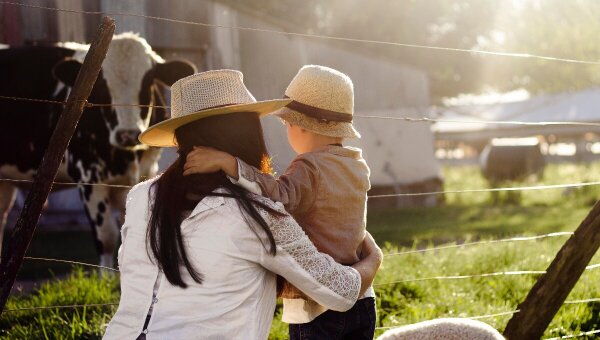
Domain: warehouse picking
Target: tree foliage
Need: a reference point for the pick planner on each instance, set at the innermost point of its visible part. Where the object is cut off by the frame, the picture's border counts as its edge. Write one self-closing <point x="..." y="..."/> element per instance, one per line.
<point x="564" y="29"/>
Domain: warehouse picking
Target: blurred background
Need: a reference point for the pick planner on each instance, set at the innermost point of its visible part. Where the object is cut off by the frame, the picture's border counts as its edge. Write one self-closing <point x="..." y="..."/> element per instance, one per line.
<point x="456" y="68"/>
<point x="461" y="91"/>
<point x="390" y="81"/>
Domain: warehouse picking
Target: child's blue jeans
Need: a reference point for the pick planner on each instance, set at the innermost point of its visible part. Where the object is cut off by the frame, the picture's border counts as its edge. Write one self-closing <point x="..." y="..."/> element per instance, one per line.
<point x="357" y="323"/>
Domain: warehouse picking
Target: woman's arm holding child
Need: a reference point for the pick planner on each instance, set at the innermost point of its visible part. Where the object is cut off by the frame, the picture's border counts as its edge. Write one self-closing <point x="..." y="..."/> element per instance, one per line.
<point x="316" y="274"/>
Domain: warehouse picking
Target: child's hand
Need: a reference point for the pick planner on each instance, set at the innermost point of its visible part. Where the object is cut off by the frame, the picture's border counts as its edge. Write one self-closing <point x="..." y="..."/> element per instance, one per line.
<point x="203" y="160"/>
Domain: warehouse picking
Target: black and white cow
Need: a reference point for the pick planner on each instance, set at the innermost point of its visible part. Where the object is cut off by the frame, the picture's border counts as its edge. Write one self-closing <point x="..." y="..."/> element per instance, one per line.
<point x="105" y="147"/>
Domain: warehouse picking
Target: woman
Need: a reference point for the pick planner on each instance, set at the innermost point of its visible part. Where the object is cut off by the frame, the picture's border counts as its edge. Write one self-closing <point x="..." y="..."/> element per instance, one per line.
<point x="200" y="255"/>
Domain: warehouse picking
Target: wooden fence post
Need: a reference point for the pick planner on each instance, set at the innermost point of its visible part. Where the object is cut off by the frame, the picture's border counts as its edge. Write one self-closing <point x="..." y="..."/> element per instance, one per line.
<point x="25" y="226"/>
<point x="551" y="289"/>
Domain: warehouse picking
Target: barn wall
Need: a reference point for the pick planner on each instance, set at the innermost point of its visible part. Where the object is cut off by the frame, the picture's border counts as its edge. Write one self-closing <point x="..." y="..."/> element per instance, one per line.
<point x="179" y="41"/>
<point x="27" y="26"/>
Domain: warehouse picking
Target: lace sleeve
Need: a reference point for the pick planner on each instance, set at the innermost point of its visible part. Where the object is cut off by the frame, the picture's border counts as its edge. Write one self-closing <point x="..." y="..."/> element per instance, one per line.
<point x="316" y="274"/>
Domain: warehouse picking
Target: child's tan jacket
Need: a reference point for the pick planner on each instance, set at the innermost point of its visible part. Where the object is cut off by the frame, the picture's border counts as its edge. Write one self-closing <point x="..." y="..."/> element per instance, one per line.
<point x="326" y="192"/>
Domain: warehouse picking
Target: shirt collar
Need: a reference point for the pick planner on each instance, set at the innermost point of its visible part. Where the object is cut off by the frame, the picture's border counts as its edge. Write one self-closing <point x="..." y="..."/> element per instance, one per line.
<point x="209" y="202"/>
<point x="344" y="151"/>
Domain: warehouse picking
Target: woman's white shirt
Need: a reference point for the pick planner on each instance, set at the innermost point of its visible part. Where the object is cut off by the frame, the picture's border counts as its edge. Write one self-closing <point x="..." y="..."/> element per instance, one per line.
<point x="237" y="298"/>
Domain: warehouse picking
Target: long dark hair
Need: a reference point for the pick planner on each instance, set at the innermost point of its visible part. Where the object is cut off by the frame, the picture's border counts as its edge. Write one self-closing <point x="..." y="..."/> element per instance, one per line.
<point x="239" y="134"/>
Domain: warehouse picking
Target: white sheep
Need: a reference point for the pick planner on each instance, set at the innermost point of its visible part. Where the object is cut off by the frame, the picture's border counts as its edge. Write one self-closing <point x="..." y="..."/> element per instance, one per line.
<point x="444" y="329"/>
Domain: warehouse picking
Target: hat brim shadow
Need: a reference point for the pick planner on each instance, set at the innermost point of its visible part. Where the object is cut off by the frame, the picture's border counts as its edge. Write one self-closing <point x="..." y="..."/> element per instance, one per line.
<point x="163" y="133"/>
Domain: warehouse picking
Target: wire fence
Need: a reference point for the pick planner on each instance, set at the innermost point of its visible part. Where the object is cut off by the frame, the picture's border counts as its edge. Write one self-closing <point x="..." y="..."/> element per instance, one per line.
<point x="87" y="104"/>
<point x="69" y="262"/>
<point x="577" y="335"/>
<point x="468" y="244"/>
<point x="405" y="119"/>
<point x="506" y="240"/>
<point x="460" y="277"/>
<point x="315" y="36"/>
<point x="508" y="273"/>
<point x="479" y="317"/>
<point x="467" y="191"/>
<point x="24" y="309"/>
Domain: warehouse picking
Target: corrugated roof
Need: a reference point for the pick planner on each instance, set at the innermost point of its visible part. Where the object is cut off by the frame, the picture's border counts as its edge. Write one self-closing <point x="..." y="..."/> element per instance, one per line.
<point x="581" y="106"/>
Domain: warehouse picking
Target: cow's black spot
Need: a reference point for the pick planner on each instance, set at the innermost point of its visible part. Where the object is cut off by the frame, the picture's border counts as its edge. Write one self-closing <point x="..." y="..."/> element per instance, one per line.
<point x="111" y="117"/>
<point x="94" y="176"/>
<point x="99" y="220"/>
<point x="87" y="192"/>
<point x="99" y="245"/>
<point x="101" y="207"/>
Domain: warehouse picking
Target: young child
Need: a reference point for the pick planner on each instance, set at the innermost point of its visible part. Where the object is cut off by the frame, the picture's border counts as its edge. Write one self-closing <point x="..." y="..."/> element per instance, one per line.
<point x="324" y="188"/>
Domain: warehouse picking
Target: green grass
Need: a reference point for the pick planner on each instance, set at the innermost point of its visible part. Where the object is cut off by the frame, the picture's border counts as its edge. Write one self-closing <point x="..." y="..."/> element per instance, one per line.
<point x="70" y="323"/>
<point x="474" y="215"/>
<point x="464" y="217"/>
<point x="405" y="303"/>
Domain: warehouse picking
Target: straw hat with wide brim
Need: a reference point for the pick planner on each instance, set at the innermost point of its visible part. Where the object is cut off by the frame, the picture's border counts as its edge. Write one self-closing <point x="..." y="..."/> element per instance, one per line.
<point x="206" y="94"/>
<point x="322" y="102"/>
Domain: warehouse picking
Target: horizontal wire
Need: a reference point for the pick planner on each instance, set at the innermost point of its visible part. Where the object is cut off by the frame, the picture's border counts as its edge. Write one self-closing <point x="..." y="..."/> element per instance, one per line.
<point x="406" y="119"/>
<point x="129" y="105"/>
<point x="61" y="306"/>
<point x="460" y="277"/>
<point x="576" y="335"/>
<point x="69" y="262"/>
<point x="528" y="188"/>
<point x="501" y="314"/>
<point x="317" y="36"/>
<point x="386" y="327"/>
<point x="447" y="277"/>
<point x="69" y="183"/>
<point x="514" y="239"/>
<point x="472" y="121"/>
<point x="492" y="315"/>
<point x="582" y="301"/>
<point x="465" y="317"/>
<point x="453" y="277"/>
<point x="45" y="101"/>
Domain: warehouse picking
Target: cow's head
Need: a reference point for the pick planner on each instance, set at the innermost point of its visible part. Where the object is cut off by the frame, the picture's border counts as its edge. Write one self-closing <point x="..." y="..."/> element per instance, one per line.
<point x="130" y="74"/>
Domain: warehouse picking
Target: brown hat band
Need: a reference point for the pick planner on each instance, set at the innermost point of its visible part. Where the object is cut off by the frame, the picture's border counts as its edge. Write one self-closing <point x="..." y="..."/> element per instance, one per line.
<point x="318" y="113"/>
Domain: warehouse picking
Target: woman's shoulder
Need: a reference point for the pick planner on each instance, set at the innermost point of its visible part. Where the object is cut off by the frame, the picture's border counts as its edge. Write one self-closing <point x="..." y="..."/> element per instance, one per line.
<point x="143" y="186"/>
<point x="141" y="191"/>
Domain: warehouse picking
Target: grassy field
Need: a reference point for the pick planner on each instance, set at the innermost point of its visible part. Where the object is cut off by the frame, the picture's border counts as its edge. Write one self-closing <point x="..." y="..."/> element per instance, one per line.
<point x="465" y="217"/>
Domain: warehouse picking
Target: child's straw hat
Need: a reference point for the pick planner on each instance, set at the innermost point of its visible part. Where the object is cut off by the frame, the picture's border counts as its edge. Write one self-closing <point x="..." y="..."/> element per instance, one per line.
<point x="322" y="102"/>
